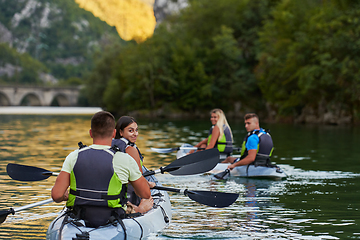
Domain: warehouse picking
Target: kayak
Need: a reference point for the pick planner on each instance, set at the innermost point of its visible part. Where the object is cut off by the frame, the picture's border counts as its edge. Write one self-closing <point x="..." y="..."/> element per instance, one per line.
<point x="136" y="227"/>
<point x="184" y="150"/>
<point x="250" y="171"/>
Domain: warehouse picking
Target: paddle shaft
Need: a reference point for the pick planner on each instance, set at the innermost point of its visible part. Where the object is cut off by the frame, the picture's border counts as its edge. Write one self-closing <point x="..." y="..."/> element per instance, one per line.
<point x="170" y="189"/>
<point x="169" y="150"/>
<point x="50" y="200"/>
<point x="5" y="213"/>
<point x="196" y="163"/>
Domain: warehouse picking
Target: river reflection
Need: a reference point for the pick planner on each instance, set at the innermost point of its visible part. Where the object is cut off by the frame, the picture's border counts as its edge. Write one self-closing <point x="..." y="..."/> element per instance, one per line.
<point x="319" y="199"/>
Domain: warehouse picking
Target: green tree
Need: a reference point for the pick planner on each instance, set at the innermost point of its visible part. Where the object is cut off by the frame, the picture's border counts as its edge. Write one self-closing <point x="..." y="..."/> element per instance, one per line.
<point x="310" y="57"/>
<point x="27" y="69"/>
<point x="201" y="58"/>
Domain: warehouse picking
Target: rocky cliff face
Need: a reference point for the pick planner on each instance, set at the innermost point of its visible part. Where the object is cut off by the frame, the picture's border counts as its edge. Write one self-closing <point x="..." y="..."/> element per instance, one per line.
<point x="163" y="8"/>
<point x="58" y="34"/>
<point x="63" y="36"/>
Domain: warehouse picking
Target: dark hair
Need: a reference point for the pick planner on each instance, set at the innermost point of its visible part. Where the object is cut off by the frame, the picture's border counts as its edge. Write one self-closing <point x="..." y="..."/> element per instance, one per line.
<point x="251" y="115"/>
<point x="102" y="124"/>
<point x="122" y="123"/>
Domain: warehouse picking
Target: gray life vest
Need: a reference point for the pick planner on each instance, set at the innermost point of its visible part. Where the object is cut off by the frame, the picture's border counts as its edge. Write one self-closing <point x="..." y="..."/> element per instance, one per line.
<point x="264" y="149"/>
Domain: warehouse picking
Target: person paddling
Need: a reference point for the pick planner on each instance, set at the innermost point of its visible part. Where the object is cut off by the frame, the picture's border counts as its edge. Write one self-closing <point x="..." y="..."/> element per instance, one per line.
<point x="125" y="139"/>
<point x="257" y="146"/>
<point x="98" y="177"/>
<point x="220" y="135"/>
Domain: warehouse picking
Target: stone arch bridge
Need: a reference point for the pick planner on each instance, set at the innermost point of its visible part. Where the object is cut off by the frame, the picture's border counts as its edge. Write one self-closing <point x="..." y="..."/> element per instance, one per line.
<point x="38" y="96"/>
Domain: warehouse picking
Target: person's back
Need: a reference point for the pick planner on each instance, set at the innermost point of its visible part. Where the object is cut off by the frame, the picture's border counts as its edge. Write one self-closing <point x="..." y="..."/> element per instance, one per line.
<point x="98" y="176"/>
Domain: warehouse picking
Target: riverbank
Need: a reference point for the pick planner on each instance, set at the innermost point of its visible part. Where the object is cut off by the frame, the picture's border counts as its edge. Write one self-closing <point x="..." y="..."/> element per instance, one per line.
<point x="30" y="110"/>
<point x="308" y="116"/>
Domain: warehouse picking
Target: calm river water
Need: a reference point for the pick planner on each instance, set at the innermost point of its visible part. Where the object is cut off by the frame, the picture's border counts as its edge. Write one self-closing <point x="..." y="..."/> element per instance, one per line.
<point x="319" y="200"/>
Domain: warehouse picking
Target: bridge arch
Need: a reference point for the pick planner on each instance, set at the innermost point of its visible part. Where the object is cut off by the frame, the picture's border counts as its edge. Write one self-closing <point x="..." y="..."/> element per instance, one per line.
<point x="60" y="100"/>
<point x="4" y="100"/>
<point x="38" y="96"/>
<point x="30" y="99"/>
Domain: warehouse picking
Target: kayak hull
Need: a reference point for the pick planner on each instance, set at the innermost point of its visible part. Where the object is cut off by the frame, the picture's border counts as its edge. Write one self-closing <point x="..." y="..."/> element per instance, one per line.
<point x="136" y="228"/>
<point x="249" y="171"/>
<point x="182" y="152"/>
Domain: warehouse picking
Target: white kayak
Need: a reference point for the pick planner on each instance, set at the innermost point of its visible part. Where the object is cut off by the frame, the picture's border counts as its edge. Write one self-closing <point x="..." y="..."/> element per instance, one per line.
<point x="241" y="171"/>
<point x="186" y="148"/>
<point x="251" y="171"/>
<point x="138" y="227"/>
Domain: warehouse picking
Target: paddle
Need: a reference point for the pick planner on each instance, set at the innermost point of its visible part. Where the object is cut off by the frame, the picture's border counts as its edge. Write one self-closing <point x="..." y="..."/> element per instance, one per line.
<point x="196" y="163"/>
<point x="28" y="173"/>
<point x="5" y="213"/>
<point x="225" y="174"/>
<point x="169" y="150"/>
<point x="209" y="198"/>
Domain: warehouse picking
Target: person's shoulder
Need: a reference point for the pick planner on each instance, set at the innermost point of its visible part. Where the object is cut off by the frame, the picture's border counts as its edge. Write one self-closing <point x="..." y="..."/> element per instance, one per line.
<point x="73" y="153"/>
<point x="124" y="161"/>
<point x="215" y="127"/>
<point x="121" y="154"/>
<point x="254" y="136"/>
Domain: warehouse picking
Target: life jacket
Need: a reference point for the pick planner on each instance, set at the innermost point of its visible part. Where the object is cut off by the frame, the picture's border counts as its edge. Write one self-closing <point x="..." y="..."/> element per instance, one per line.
<point x="264" y="149"/>
<point x="123" y="143"/>
<point x="96" y="192"/>
<point x="224" y="145"/>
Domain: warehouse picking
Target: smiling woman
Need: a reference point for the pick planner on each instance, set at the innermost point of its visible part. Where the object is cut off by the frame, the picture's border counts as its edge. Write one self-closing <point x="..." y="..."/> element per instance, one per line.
<point x="134" y="20"/>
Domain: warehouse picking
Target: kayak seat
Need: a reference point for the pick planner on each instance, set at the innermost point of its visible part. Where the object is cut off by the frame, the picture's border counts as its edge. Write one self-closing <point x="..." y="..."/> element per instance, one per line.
<point x="82" y="236"/>
<point x="95" y="216"/>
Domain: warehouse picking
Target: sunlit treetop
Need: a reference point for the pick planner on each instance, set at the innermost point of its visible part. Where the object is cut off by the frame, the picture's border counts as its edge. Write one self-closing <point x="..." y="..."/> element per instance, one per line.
<point x="133" y="19"/>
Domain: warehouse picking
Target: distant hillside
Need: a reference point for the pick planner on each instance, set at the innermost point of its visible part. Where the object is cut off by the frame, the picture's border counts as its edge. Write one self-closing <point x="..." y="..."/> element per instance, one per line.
<point x="54" y="42"/>
<point x="57" y="38"/>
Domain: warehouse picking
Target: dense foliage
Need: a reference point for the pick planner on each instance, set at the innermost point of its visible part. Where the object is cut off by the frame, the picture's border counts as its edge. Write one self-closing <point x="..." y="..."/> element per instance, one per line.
<point x="199" y="59"/>
<point x="279" y="57"/>
<point x="286" y="57"/>
<point x="310" y="57"/>
<point x="24" y="65"/>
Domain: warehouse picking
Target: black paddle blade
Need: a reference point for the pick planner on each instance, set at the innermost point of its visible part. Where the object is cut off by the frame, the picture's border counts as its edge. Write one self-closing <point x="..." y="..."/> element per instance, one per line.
<point x="27" y="173"/>
<point x="212" y="199"/>
<point x="223" y="175"/>
<point x="4" y="214"/>
<point x="195" y="163"/>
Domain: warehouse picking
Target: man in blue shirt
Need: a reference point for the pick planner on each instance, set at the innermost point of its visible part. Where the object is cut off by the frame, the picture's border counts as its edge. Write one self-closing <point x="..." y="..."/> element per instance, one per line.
<point x="257" y="146"/>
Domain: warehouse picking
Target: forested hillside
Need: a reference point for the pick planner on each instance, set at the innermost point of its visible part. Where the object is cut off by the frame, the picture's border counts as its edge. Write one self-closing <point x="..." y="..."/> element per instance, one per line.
<point x="293" y="61"/>
<point x="287" y="60"/>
